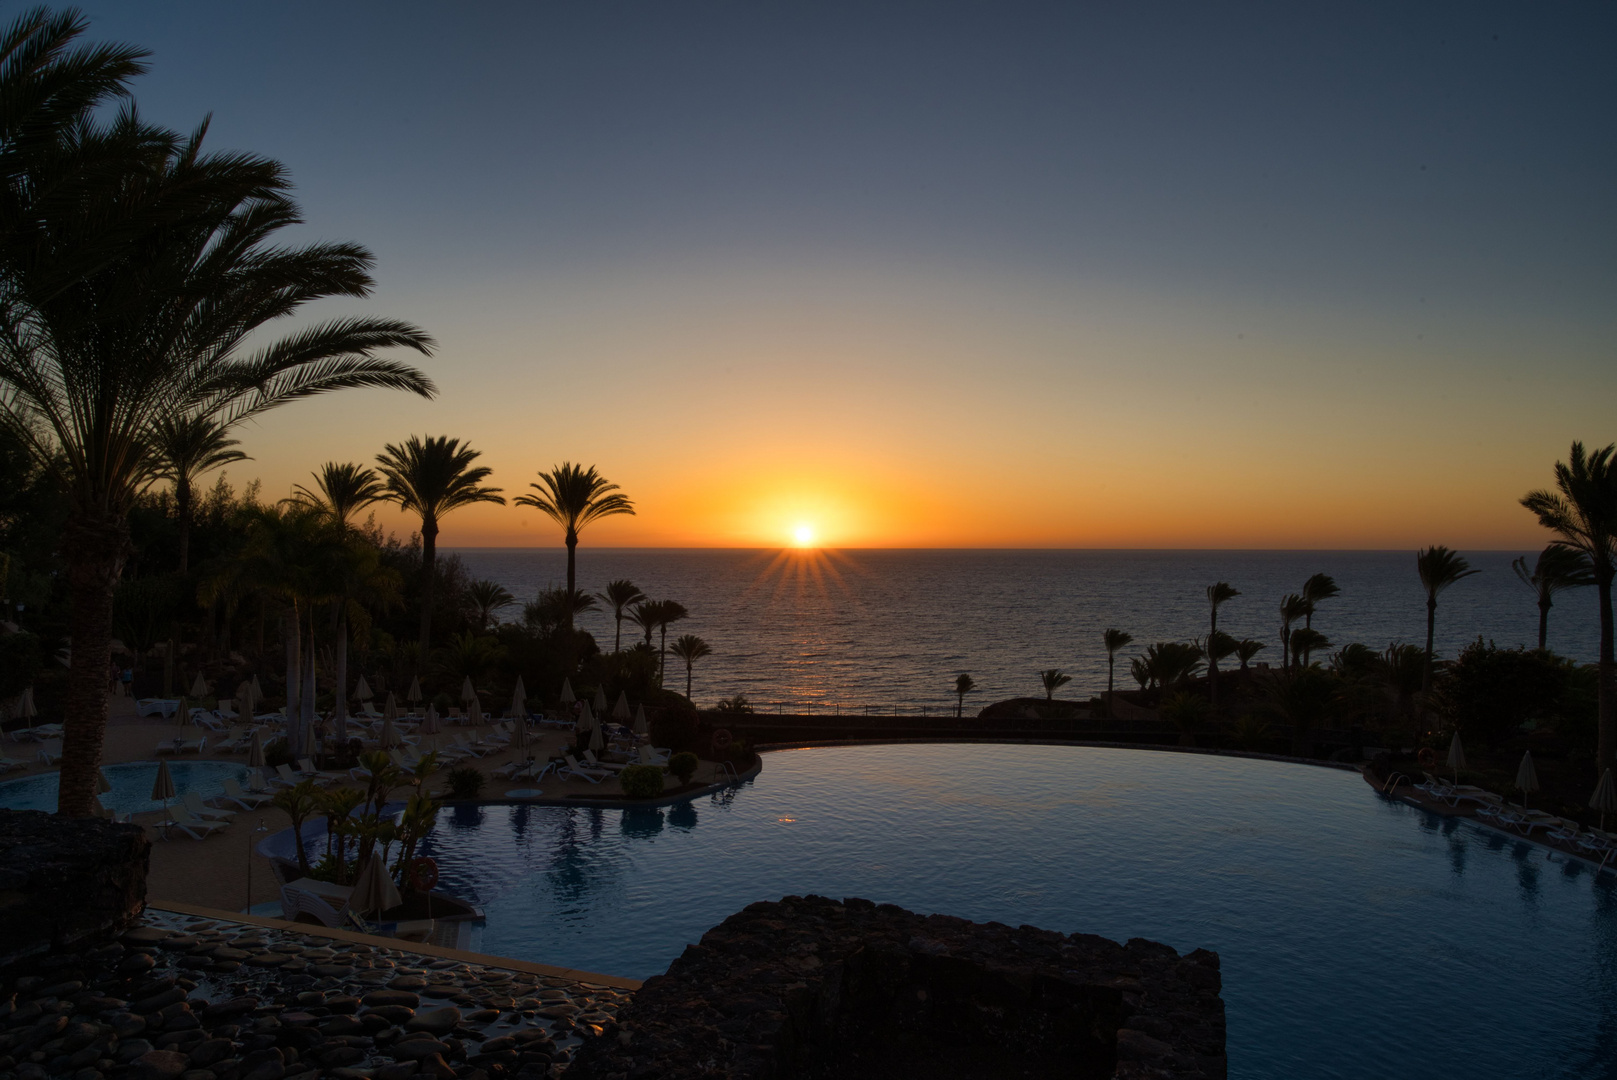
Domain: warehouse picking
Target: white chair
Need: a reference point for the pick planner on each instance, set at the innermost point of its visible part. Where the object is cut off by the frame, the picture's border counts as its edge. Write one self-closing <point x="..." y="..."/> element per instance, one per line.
<point x="227" y="709"/>
<point x="191" y="825"/>
<point x="244" y="799"/>
<point x="7" y="764"/>
<point x="50" y="752"/>
<point x="573" y="768"/>
<point x="192" y="801"/>
<point x="594" y="762"/>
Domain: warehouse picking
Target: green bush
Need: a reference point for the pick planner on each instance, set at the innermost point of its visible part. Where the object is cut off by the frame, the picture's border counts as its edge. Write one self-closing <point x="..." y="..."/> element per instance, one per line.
<point x="683" y="766"/>
<point x="641" y="781"/>
<point x="674" y="721"/>
<point x="465" y="783"/>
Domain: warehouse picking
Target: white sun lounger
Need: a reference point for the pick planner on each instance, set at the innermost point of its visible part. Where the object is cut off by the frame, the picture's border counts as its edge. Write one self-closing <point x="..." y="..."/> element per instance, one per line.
<point x="244" y="799"/>
<point x="192" y="801"/>
<point x="573" y="768"/>
<point x="191" y="825"/>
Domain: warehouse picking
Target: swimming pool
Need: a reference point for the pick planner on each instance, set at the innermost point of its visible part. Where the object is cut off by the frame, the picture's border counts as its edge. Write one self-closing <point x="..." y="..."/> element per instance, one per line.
<point x="1359" y="937"/>
<point x="131" y="785"/>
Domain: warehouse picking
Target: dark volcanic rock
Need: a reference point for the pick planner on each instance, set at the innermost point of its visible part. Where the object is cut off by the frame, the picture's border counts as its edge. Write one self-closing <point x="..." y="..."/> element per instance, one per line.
<point x="67" y="883"/>
<point x="810" y="989"/>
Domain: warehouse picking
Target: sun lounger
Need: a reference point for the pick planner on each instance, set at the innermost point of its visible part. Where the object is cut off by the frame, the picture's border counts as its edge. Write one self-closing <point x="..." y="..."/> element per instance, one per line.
<point x="193" y="746"/>
<point x="244" y="799"/>
<point x="306" y="768"/>
<point x="192" y="801"/>
<point x="51" y="752"/>
<point x="191" y="825"/>
<point x="227" y="708"/>
<point x="1594" y="842"/>
<point x="321" y="901"/>
<point x="593" y="762"/>
<point x="7" y="764"/>
<point x="163" y="707"/>
<point x="573" y="768"/>
<point x="205" y="718"/>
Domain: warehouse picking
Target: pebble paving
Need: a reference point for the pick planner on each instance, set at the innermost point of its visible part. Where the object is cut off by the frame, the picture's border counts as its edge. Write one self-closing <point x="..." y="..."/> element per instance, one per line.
<point x="181" y="997"/>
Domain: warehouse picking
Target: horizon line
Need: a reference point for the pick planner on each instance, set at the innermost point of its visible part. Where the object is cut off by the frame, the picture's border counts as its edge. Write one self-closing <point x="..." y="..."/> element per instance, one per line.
<point x="561" y="549"/>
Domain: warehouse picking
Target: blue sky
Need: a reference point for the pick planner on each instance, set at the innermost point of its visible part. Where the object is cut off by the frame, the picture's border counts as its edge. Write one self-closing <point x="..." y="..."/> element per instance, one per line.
<point x="765" y="262"/>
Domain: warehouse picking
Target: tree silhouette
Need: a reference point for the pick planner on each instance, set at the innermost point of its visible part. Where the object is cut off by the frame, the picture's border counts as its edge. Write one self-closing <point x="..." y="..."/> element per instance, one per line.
<point x="1557" y="569"/>
<point x="1217" y="595"/>
<point x="1316" y="589"/>
<point x="138" y="273"/>
<point x="1053" y="680"/>
<point x="433" y="477"/>
<point x="486" y="598"/>
<point x="963" y="685"/>
<point x="618" y="595"/>
<point x="341" y="491"/>
<point x="182" y="449"/>
<point x="1583" y="510"/>
<point x="1114" y="640"/>
<point x="1292" y="608"/>
<point x="1438" y="568"/>
<point x="573" y="496"/>
<point x="690" y="649"/>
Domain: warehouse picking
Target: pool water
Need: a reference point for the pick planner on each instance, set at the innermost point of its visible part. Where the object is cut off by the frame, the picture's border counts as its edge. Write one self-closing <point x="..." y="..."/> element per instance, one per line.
<point x="131" y="785"/>
<point x="1359" y="937"/>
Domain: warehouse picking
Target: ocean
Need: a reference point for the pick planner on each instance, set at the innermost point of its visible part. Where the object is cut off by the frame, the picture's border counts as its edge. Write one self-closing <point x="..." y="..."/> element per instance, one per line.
<point x="890" y="629"/>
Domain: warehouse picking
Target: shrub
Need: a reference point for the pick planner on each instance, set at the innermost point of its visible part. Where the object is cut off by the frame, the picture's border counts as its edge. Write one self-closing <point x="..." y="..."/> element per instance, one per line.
<point x="737" y="704"/>
<point x="674" y="722"/>
<point x="721" y="743"/>
<point x="465" y="783"/>
<point x="683" y="766"/>
<point x="1487" y="692"/>
<point x="641" y="781"/>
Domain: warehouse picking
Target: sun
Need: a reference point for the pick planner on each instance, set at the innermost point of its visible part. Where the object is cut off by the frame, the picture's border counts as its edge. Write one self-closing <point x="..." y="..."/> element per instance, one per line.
<point x="803" y="535"/>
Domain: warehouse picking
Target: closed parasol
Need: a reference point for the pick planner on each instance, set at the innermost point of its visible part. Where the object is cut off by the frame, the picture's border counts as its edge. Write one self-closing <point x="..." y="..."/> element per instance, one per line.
<point x="466" y="690"/>
<point x="597" y="742"/>
<point x="163" y="786"/>
<point x="1526" y="777"/>
<point x="255" y="758"/>
<point x="1605" y="797"/>
<point x="362" y="690"/>
<point x="429" y="727"/>
<point x="474" y="711"/>
<point x="390" y="735"/>
<point x="586" y="718"/>
<point x="199" y="686"/>
<point x="1456" y="756"/>
<point x="374" y="892"/>
<point x="642" y="727"/>
<point x="413" y="694"/>
<point x="519" y="699"/>
<point x="600" y="701"/>
<point x="25" y="706"/>
<point x="567" y="695"/>
<point x="620" y="711"/>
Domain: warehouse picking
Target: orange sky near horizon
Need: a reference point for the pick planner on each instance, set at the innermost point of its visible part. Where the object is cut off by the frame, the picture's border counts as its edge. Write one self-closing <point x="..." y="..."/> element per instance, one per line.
<point x="984" y="415"/>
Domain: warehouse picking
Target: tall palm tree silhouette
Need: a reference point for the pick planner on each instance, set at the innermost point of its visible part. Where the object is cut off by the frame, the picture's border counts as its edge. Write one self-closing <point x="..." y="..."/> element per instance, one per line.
<point x="1292" y="608"/>
<point x="1316" y="589"/>
<point x="1438" y="568"/>
<point x="963" y="685"/>
<point x="182" y="449"/>
<point x="1114" y="639"/>
<point x="1556" y="570"/>
<point x="433" y="477"/>
<point x="136" y="268"/>
<point x="690" y="649"/>
<point x="341" y="491"/>
<point x="1217" y="595"/>
<point x="573" y="496"/>
<point x="1583" y="510"/>
<point x="618" y="595"/>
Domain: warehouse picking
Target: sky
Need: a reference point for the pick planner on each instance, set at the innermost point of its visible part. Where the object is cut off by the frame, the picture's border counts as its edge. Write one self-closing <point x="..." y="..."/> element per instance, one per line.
<point x="951" y="275"/>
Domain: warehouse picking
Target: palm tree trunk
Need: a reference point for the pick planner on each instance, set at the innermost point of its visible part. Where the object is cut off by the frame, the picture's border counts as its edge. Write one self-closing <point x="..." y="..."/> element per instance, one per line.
<point x="662" y="656"/>
<point x="1431" y="627"/>
<point x="429" y="577"/>
<point x="94" y="552"/>
<point x="1543" y="621"/>
<point x="1606" y="702"/>
<point x="182" y="508"/>
<point x="340" y="714"/>
<point x="687" y="681"/>
<point x="1111" y="670"/>
<point x="617" y="638"/>
<point x="292" y="628"/>
<point x="1212" y="661"/>
<point x="572" y="555"/>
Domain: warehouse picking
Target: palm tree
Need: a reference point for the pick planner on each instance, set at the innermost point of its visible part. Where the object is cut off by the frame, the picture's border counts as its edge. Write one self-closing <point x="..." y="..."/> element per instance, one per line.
<point x="487" y="597"/>
<point x="431" y="478"/>
<point x="1316" y="589"/>
<point x="341" y="491"/>
<point x="182" y="448"/>
<point x="573" y="497"/>
<point x="618" y="595"/>
<point x="1292" y="608"/>
<point x="690" y="648"/>
<point x="1053" y="680"/>
<point x="1557" y="569"/>
<point x="963" y="685"/>
<point x="1170" y="663"/>
<point x="1438" y="568"/>
<point x="1114" y="640"/>
<point x="134" y="267"/>
<point x="1217" y="594"/>
<point x="1217" y="646"/>
<point x="1246" y="649"/>
<point x="1304" y="643"/>
<point x="667" y="612"/>
<point x="644" y="615"/>
<point x="1584" y="512"/>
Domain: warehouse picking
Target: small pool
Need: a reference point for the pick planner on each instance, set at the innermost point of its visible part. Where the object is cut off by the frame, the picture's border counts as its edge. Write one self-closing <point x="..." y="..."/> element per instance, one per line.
<point x="131" y="785"/>
<point x="1359" y="937"/>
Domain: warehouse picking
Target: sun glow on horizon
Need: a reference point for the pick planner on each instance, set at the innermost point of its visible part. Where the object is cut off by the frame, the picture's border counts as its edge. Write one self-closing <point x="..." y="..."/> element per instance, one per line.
<point x="803" y="535"/>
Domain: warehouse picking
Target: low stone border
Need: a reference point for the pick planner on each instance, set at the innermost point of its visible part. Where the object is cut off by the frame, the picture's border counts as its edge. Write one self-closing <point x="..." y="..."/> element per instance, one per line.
<point x="591" y="802"/>
<point x="194" y="995"/>
<point x="1211" y="751"/>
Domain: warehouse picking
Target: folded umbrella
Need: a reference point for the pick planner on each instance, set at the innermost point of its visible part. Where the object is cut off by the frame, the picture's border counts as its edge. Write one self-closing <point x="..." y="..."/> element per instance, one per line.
<point x="1605" y="797"/>
<point x="1526" y="777"/>
<point x="413" y="695"/>
<point x="374" y="892"/>
<point x="620" y="711"/>
<point x="163" y="786"/>
<point x="362" y="690"/>
<point x="519" y="699"/>
<point x="642" y="727"/>
<point x="199" y="686"/>
<point x="567" y="695"/>
<point x="1456" y="756"/>
<point x="600" y="700"/>
<point x="466" y="691"/>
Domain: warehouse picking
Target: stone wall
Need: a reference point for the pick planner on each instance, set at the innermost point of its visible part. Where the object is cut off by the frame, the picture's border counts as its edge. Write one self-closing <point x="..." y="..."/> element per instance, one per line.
<point x="66" y="884"/>
<point x="811" y="989"/>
